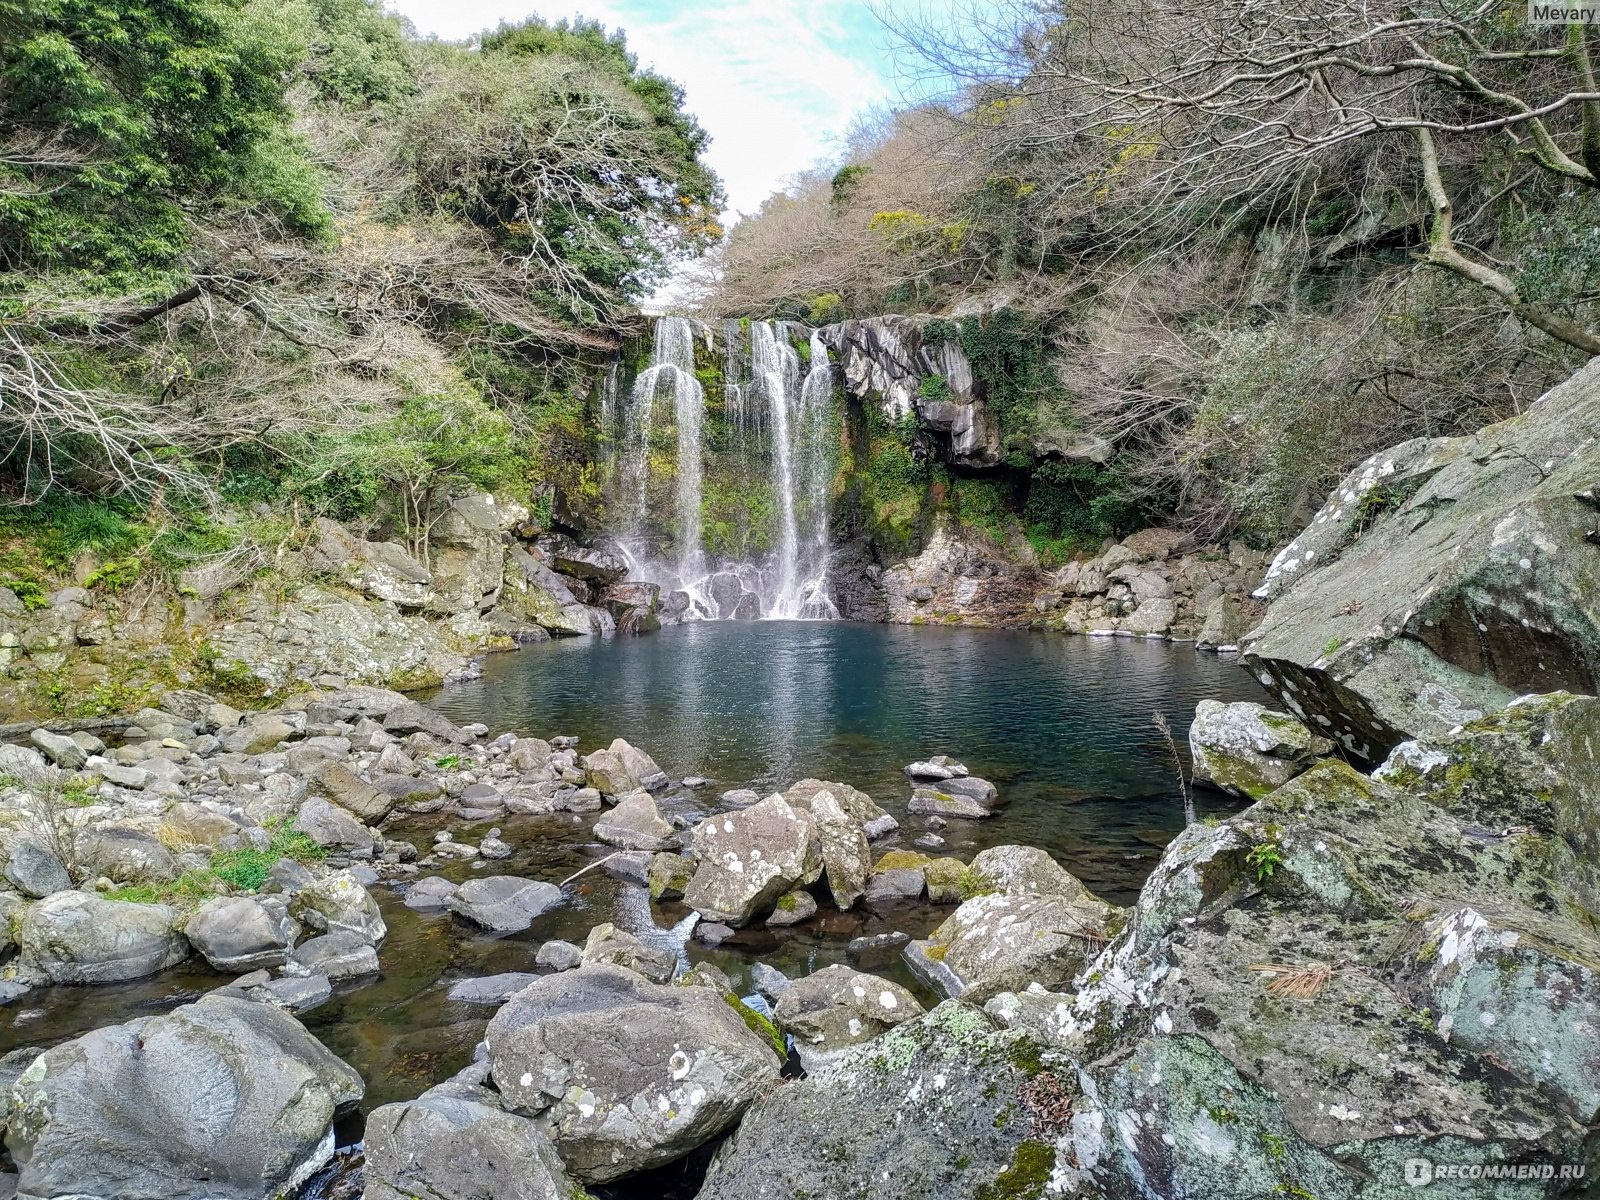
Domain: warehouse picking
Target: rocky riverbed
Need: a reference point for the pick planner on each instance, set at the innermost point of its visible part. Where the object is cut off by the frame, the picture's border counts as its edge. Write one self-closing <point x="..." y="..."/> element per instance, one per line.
<point x="1238" y="1031"/>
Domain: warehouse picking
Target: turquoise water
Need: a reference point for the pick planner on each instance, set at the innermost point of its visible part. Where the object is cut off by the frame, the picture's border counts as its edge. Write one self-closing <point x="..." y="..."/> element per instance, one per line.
<point x="1062" y="725"/>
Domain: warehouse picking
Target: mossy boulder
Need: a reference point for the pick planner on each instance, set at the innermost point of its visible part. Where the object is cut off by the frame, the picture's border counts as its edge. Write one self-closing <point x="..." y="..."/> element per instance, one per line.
<point x="948" y="1105"/>
<point x="1247" y="749"/>
<point x="1442" y="578"/>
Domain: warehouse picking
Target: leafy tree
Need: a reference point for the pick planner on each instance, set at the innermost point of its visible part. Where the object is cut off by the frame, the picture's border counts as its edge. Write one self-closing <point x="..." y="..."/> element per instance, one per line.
<point x="118" y="123"/>
<point x="581" y="168"/>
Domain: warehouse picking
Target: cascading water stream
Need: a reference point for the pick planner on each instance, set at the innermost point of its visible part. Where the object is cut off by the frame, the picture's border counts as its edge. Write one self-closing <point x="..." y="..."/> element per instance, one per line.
<point x="777" y="370"/>
<point x="672" y="358"/>
<point x="778" y="422"/>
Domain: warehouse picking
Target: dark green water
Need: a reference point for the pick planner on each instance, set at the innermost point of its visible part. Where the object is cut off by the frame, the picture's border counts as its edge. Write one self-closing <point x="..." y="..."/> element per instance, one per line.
<point x="1062" y="725"/>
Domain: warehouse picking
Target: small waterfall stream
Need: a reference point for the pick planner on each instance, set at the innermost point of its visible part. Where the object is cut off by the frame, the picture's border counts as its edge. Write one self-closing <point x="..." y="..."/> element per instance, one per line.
<point x="777" y="412"/>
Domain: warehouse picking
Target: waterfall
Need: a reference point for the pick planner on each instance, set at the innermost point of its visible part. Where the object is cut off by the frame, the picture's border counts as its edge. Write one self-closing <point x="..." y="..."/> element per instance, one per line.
<point x="672" y="358"/>
<point x="776" y="367"/>
<point x="777" y="421"/>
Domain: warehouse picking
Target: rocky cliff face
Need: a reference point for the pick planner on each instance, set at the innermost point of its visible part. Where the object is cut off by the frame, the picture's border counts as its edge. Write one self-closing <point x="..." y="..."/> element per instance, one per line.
<point x="1443" y="578"/>
<point x="885" y="360"/>
<point x="335" y="609"/>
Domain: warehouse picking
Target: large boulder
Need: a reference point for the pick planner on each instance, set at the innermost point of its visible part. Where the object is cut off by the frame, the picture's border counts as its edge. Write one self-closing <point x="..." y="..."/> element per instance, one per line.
<point x="1006" y="941"/>
<point x="126" y="856"/>
<point x="1353" y="973"/>
<point x="1248" y="750"/>
<point x="1442" y="578"/>
<point x="503" y="903"/>
<point x="748" y="859"/>
<point x="948" y="1105"/>
<point x="624" y="1074"/>
<point x="34" y="870"/>
<point x="846" y="856"/>
<point x="331" y="827"/>
<point x="635" y="824"/>
<point x="859" y="806"/>
<point x="607" y="772"/>
<point x="456" y="1147"/>
<point x="338" y="903"/>
<point x="73" y="937"/>
<point x="640" y="765"/>
<point x="1018" y="869"/>
<point x="243" y="933"/>
<point x="607" y="944"/>
<point x="224" y="1099"/>
<point x="838" y="1007"/>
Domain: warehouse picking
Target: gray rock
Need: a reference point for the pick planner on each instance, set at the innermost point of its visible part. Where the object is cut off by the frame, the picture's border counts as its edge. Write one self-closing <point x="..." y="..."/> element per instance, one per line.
<point x="838" y="1007"/>
<point x="559" y="956"/>
<point x="504" y="903"/>
<point x="607" y="772"/>
<point x="622" y="1073"/>
<point x="35" y="871"/>
<point x="59" y="749"/>
<point x="242" y="933"/>
<point x="640" y="765"/>
<point x="748" y="859"/>
<point x="874" y="950"/>
<point x="936" y="1107"/>
<point x="1007" y="941"/>
<point x="339" y="903"/>
<point x="434" y="891"/>
<point x="410" y="717"/>
<point x="1224" y="625"/>
<point x="295" y="994"/>
<point x="446" y="1147"/>
<point x="940" y="766"/>
<point x="1441" y="579"/>
<point x="1248" y="750"/>
<point x="330" y="826"/>
<point x="669" y="875"/>
<point x="793" y="908"/>
<point x="713" y="933"/>
<point x="352" y="793"/>
<point x="769" y="981"/>
<point x="846" y="856"/>
<point x="609" y="945"/>
<point x="1022" y="869"/>
<point x="490" y="989"/>
<point x="120" y="1112"/>
<point x="126" y="856"/>
<point x="635" y="824"/>
<point x="859" y="806"/>
<point x="630" y="866"/>
<point x="881" y="827"/>
<point x="940" y="803"/>
<point x="739" y="797"/>
<point x="898" y="883"/>
<point x="72" y="937"/>
<point x="335" y="956"/>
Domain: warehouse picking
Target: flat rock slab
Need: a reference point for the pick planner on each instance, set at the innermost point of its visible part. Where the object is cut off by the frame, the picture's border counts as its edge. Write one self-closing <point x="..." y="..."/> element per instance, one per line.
<point x="504" y="903"/>
<point x="490" y="989"/>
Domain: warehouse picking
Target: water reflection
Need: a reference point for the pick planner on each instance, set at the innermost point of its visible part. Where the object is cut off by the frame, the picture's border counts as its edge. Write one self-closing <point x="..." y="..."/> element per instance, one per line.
<point x="1063" y="725"/>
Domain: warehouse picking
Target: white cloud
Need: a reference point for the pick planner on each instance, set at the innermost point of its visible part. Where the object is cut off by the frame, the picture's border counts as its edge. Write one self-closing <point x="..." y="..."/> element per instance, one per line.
<point x="776" y="83"/>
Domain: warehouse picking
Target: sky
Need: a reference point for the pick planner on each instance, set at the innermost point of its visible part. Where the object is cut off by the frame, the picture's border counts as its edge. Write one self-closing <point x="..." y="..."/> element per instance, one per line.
<point x="776" y="83"/>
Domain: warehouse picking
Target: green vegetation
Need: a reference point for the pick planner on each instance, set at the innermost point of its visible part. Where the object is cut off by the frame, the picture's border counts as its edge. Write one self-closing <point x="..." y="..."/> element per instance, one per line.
<point x="247" y="869"/>
<point x="1026" y="1177"/>
<point x="1264" y="859"/>
<point x="261" y="263"/>
<point x="758" y="1024"/>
